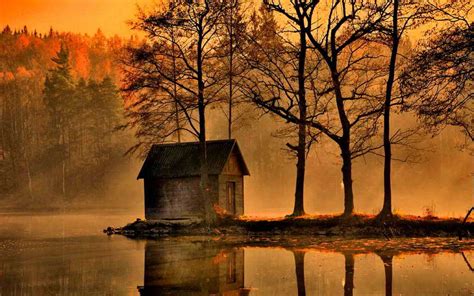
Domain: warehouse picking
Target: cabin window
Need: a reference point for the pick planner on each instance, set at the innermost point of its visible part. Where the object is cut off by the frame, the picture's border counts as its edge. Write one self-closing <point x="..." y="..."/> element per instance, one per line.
<point x="231" y="197"/>
<point x="231" y="268"/>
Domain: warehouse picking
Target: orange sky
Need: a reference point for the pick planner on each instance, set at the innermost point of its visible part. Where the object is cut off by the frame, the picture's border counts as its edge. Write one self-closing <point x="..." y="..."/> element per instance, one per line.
<point x="83" y="16"/>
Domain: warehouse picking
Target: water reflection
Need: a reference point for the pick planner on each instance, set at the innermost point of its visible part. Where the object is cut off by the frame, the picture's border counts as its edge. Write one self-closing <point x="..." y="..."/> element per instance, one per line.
<point x="468" y="263"/>
<point x="192" y="269"/>
<point x="207" y="268"/>
<point x="299" y="269"/>
<point x="349" y="272"/>
<point x="69" y="255"/>
<point x="387" y="260"/>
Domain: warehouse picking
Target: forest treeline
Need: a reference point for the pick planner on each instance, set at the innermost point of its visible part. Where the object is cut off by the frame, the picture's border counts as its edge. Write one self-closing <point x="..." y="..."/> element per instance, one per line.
<point x="59" y="106"/>
<point x="333" y="71"/>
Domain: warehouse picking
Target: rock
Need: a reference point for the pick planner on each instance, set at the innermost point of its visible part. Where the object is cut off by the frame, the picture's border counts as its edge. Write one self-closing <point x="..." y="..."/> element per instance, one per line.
<point x="109" y="230"/>
<point x="139" y="226"/>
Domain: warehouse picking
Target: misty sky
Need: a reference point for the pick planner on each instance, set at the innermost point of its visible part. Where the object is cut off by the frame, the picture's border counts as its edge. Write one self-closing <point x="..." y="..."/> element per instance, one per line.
<point x="84" y="16"/>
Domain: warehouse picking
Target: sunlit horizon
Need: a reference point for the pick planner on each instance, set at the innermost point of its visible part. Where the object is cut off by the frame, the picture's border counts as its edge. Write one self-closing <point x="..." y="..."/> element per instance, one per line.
<point x="78" y="16"/>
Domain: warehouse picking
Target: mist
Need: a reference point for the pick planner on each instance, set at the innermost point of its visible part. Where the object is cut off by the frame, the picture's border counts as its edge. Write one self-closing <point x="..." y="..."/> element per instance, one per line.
<point x="436" y="179"/>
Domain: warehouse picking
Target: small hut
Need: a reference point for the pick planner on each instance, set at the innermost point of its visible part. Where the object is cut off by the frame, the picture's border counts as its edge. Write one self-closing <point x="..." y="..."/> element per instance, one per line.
<point x="171" y="175"/>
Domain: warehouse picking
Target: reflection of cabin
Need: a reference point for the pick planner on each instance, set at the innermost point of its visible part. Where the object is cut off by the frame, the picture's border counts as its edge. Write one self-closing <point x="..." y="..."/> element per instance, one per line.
<point x="171" y="174"/>
<point x="192" y="269"/>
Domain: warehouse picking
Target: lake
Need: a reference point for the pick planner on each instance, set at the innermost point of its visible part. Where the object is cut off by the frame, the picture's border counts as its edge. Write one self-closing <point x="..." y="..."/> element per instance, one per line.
<point x="67" y="254"/>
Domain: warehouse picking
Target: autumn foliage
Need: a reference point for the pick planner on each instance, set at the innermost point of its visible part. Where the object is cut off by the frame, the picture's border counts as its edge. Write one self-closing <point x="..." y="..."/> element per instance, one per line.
<point x="59" y="107"/>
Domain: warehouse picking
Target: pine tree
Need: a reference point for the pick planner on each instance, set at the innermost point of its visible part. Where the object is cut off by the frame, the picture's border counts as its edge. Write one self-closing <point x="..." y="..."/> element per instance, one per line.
<point x="7" y="30"/>
<point x="59" y="87"/>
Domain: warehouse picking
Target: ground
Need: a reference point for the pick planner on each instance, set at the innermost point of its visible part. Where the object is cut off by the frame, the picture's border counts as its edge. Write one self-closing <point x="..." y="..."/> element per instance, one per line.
<point x="329" y="226"/>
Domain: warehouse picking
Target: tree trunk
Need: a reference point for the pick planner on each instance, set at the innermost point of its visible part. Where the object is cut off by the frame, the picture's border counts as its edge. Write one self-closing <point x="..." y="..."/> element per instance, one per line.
<point x="175" y="91"/>
<point x="299" y="269"/>
<point x="204" y="183"/>
<point x="349" y="279"/>
<point x="28" y="174"/>
<point x="62" y="141"/>
<point x="301" y="150"/>
<point x="14" y="171"/>
<point x="387" y="145"/>
<point x="210" y="216"/>
<point x="300" y="174"/>
<point x="63" y="178"/>
<point x="347" y="179"/>
<point x="344" y="142"/>
<point x="231" y="66"/>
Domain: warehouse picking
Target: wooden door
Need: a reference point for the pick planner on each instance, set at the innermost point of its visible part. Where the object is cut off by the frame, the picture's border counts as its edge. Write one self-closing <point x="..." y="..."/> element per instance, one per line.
<point x="231" y="197"/>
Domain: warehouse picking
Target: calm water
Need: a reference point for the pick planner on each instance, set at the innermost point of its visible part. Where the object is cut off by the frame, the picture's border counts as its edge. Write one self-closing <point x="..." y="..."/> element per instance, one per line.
<point x="69" y="255"/>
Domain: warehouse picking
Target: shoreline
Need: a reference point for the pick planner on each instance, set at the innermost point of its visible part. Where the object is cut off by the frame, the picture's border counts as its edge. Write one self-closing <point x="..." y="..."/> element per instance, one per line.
<point x="356" y="226"/>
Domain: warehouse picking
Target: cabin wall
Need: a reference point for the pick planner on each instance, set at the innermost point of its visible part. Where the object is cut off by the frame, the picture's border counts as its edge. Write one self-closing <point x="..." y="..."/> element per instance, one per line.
<point x="239" y="192"/>
<point x="232" y="173"/>
<point x="175" y="198"/>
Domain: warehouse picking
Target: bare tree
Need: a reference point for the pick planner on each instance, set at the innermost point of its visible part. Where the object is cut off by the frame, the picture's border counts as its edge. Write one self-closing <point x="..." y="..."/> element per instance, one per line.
<point x="438" y="82"/>
<point x="152" y="80"/>
<point x="339" y="34"/>
<point x="232" y="42"/>
<point x="278" y="81"/>
<point x="405" y="15"/>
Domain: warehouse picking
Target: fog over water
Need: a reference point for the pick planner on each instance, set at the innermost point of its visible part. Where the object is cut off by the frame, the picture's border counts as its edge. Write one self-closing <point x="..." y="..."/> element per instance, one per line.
<point x="68" y="255"/>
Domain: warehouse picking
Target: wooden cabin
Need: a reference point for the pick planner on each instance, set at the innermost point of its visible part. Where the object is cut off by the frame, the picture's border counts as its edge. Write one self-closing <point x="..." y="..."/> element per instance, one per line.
<point x="171" y="175"/>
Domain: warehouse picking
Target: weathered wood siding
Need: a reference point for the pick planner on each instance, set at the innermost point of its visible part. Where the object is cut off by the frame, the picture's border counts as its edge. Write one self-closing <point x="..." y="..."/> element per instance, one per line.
<point x="176" y="197"/>
<point x="239" y="196"/>
<point x="232" y="173"/>
<point x="170" y="198"/>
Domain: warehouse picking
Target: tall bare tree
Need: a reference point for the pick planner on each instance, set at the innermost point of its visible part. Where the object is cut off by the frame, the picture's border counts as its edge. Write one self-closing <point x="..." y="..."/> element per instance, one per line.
<point x="405" y="15"/>
<point x="338" y="33"/>
<point x="278" y="80"/>
<point x="232" y="41"/>
<point x="152" y="80"/>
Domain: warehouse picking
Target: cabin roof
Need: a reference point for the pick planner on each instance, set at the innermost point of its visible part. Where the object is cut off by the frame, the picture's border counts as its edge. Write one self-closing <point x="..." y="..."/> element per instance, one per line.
<point x="182" y="159"/>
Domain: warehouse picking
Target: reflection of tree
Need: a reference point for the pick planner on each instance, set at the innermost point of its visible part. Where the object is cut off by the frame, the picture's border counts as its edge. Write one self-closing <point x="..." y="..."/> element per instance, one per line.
<point x="464" y="223"/>
<point x="214" y="269"/>
<point x="387" y="262"/>
<point x="299" y="268"/>
<point x="349" y="280"/>
<point x="467" y="262"/>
